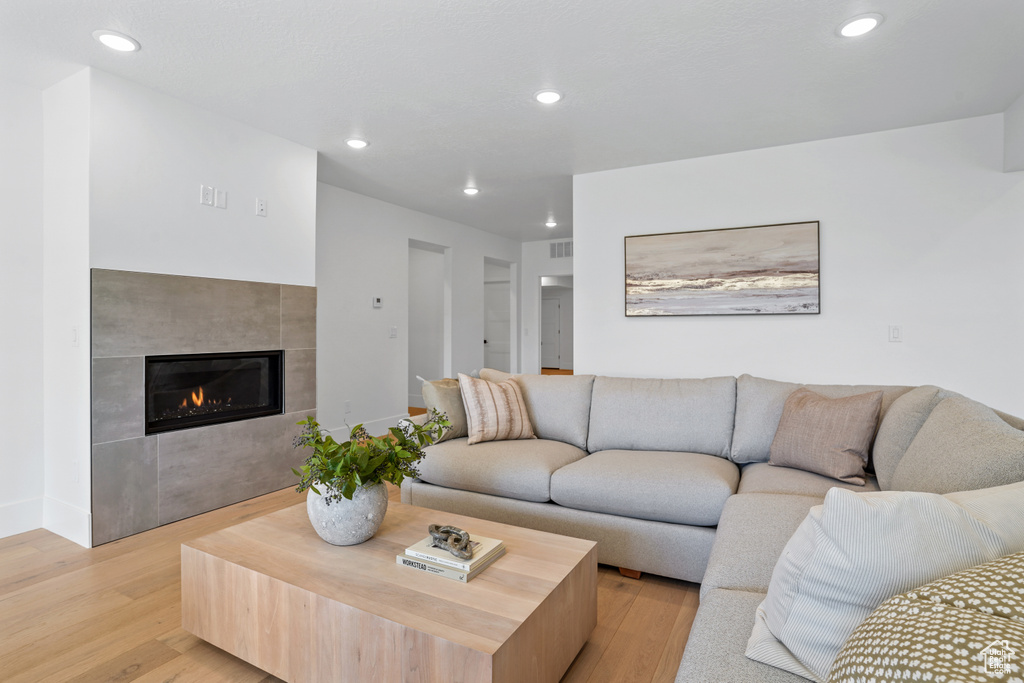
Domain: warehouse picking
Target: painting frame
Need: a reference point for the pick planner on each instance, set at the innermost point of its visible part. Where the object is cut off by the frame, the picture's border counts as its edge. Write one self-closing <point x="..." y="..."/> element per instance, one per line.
<point x="772" y="269"/>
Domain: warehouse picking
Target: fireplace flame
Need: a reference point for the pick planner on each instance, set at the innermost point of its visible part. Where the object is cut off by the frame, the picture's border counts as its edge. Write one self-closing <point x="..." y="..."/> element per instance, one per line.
<point x="197" y="399"/>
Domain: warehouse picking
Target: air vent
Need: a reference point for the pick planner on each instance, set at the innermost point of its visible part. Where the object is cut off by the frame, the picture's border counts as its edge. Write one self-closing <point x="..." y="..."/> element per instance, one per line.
<point x="561" y="249"/>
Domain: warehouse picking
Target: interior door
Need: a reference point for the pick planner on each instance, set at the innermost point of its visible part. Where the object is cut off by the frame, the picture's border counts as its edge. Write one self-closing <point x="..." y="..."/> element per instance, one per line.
<point x="497" y="325"/>
<point x="550" y="333"/>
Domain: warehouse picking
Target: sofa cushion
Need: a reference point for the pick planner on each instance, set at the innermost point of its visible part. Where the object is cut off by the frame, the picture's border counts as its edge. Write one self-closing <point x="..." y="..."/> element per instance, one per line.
<point x="899" y="427"/>
<point x="759" y="404"/>
<point x="444" y="396"/>
<point x="753" y="530"/>
<point x="559" y="406"/>
<point x="963" y="445"/>
<point x="829" y="436"/>
<point x="760" y="477"/>
<point x="681" y="488"/>
<point x="494" y="412"/>
<point x="718" y="638"/>
<point x="856" y="550"/>
<point x="515" y="469"/>
<point x="691" y="415"/>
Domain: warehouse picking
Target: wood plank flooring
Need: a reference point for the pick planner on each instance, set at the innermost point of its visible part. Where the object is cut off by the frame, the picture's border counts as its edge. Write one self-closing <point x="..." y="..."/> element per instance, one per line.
<point x="113" y="613"/>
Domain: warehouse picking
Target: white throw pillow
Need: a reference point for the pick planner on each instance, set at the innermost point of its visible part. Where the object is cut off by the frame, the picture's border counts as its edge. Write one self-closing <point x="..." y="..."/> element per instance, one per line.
<point x="857" y="550"/>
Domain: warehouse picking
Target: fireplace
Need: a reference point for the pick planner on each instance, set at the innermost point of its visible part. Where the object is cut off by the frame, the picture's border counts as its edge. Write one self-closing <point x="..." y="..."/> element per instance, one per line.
<point x="191" y="390"/>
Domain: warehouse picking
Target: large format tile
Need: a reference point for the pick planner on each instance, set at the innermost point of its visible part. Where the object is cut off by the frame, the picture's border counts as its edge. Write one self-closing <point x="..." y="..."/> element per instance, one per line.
<point x="118" y="404"/>
<point x="300" y="380"/>
<point x="138" y="314"/>
<point x="298" y="317"/>
<point x="124" y="488"/>
<point x="206" y="468"/>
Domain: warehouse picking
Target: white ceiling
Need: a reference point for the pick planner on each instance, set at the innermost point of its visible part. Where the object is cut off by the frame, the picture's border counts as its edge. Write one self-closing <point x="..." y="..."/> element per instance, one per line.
<point x="443" y="89"/>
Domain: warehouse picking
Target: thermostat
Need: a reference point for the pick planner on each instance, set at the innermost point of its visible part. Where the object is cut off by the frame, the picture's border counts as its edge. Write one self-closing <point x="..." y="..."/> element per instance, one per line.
<point x="378" y="302"/>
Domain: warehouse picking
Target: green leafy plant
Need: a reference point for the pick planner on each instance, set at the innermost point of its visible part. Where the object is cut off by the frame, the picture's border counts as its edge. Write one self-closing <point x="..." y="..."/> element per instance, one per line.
<point x="363" y="460"/>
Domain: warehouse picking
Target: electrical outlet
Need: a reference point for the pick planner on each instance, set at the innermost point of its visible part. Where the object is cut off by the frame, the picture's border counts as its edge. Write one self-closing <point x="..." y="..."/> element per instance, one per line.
<point x="393" y="332"/>
<point x="206" y="195"/>
<point x="261" y="207"/>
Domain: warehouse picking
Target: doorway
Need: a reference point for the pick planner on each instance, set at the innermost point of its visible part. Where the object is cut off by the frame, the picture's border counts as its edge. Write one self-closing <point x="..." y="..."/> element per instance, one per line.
<point x="556" y="342"/>
<point x="429" y="315"/>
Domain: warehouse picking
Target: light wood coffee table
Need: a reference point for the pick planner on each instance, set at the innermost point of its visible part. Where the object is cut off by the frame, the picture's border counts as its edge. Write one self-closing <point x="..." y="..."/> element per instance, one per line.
<point x="271" y="592"/>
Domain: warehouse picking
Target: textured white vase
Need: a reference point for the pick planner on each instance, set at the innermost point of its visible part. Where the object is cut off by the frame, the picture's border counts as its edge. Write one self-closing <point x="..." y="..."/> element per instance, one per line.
<point x="348" y="522"/>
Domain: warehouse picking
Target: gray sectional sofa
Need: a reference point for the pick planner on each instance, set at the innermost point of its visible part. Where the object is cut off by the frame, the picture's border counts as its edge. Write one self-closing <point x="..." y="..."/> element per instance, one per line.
<point x="670" y="476"/>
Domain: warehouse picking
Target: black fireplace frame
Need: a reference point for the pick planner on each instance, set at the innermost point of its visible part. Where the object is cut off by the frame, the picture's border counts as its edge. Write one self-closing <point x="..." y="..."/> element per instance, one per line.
<point x="276" y="390"/>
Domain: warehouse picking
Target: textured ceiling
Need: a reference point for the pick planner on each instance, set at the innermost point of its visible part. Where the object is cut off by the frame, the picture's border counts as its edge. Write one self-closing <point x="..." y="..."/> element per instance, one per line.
<point x="443" y="88"/>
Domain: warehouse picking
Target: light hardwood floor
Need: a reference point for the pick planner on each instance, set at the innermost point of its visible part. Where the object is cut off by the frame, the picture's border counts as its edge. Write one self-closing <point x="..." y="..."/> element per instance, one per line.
<point x="113" y="613"/>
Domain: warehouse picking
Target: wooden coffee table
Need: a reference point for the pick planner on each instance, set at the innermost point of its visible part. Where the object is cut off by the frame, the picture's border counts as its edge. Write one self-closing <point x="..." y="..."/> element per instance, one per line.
<point x="271" y="592"/>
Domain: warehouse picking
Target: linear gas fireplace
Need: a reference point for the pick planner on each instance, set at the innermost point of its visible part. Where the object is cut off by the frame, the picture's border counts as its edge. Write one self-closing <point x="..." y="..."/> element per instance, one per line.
<point x="201" y="389"/>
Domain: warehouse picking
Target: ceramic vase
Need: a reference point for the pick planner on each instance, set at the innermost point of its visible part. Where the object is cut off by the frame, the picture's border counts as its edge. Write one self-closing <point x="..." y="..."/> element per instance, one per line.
<point x="348" y="522"/>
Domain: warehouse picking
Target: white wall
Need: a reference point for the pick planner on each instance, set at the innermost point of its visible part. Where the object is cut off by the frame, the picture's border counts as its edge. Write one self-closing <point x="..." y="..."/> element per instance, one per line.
<point x="150" y="154"/>
<point x="21" y="334"/>
<point x="362" y="252"/>
<point x="66" y="371"/>
<point x="1013" y="130"/>
<point x="537" y="262"/>
<point x="919" y="228"/>
<point x="426" y="319"/>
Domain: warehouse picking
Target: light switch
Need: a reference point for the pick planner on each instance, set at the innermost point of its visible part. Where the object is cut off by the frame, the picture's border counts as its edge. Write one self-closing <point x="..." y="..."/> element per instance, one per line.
<point x="895" y="333"/>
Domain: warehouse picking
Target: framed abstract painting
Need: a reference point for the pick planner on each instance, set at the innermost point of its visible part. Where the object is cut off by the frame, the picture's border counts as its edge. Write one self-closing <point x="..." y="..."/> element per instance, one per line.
<point x="759" y="270"/>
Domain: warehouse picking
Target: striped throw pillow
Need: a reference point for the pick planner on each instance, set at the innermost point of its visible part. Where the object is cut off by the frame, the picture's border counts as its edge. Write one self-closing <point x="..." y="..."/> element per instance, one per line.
<point x="494" y="412"/>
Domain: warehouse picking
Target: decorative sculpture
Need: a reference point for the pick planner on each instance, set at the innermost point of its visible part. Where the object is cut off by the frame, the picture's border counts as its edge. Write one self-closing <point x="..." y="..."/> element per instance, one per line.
<point x="451" y="538"/>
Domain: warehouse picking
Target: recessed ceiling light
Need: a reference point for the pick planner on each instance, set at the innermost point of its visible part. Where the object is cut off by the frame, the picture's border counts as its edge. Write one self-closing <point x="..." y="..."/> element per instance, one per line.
<point x="356" y="143"/>
<point x="471" y="191"/>
<point x="548" y="96"/>
<point x="860" y="25"/>
<point x="551" y="224"/>
<point x="116" y="41"/>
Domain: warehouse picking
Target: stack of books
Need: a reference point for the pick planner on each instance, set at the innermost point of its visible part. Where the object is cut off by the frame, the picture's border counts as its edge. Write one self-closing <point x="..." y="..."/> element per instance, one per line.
<point x="440" y="562"/>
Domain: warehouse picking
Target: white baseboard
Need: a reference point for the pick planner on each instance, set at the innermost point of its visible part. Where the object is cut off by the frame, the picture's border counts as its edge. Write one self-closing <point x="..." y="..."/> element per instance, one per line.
<point x="69" y="521"/>
<point x="374" y="427"/>
<point x="22" y="516"/>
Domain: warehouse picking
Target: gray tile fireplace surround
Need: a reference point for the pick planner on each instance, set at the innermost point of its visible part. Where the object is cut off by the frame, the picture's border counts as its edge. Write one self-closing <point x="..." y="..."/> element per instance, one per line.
<point x="140" y="482"/>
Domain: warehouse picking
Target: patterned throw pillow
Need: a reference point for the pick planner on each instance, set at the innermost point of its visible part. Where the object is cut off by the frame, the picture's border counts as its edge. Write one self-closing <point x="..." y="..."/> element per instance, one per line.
<point x="495" y="412"/>
<point x="830" y="436"/>
<point x="964" y="627"/>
